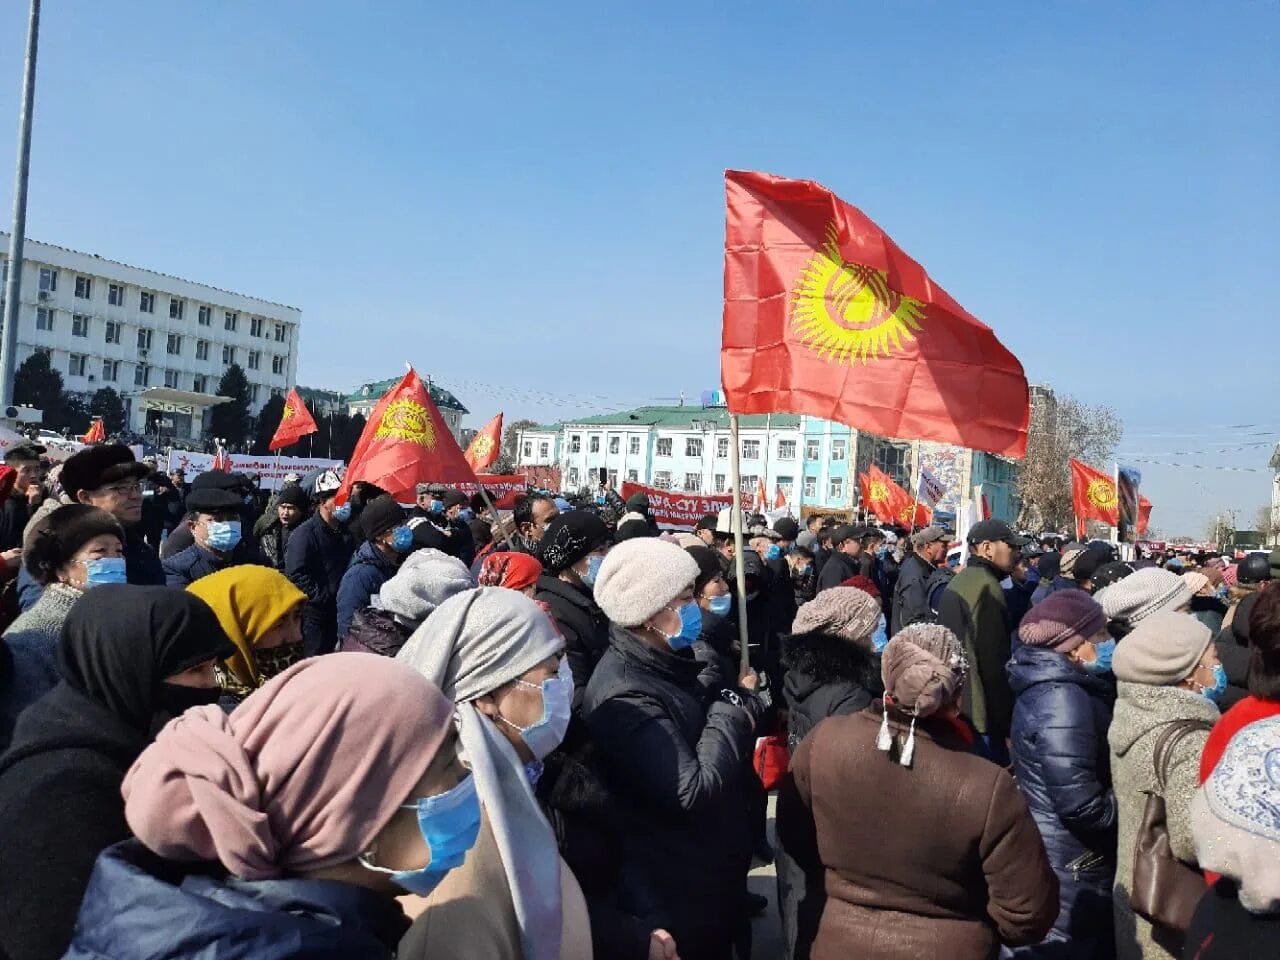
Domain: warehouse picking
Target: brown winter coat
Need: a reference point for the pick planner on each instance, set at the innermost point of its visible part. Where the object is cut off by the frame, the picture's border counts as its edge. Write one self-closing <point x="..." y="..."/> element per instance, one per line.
<point x="941" y="859"/>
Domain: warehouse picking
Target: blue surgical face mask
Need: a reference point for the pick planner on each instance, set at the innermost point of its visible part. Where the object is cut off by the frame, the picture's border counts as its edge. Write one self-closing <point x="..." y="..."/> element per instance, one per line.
<point x="466" y="514"/>
<point x="437" y="506"/>
<point x="449" y="823"/>
<point x="101" y="570"/>
<point x="600" y="500"/>
<point x="343" y="513"/>
<point x="1221" y="592"/>
<point x="880" y="639"/>
<point x="690" y="627"/>
<point x="402" y="539"/>
<point x="543" y="737"/>
<point x="720" y="605"/>
<point x="223" y="535"/>
<point x="1106" y="650"/>
<point x="593" y="569"/>
<point x="773" y="553"/>
<point x="1214" y="694"/>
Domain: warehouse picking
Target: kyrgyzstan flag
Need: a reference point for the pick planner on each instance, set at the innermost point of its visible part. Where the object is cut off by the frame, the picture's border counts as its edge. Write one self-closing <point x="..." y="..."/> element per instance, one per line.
<point x="883" y="497"/>
<point x="915" y="515"/>
<point x="97" y="433"/>
<point x="1093" y="495"/>
<point x="295" y="423"/>
<point x="406" y="442"/>
<point x="825" y="315"/>
<point x="485" y="446"/>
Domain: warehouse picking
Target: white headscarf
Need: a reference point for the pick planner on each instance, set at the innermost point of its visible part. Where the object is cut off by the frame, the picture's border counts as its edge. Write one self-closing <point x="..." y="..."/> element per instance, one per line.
<point x="472" y="644"/>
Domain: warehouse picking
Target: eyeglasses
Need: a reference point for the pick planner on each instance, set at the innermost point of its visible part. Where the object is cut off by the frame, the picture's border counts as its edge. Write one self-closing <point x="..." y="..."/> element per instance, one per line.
<point x="123" y="489"/>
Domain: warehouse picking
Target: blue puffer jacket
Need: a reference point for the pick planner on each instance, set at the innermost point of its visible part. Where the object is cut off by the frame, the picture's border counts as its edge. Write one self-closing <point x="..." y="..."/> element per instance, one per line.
<point x="369" y="570"/>
<point x="140" y="906"/>
<point x="1060" y="719"/>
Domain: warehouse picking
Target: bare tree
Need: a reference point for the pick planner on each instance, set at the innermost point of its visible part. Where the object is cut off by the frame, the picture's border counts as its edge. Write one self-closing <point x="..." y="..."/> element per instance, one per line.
<point x="1061" y="428"/>
<point x="1265" y="523"/>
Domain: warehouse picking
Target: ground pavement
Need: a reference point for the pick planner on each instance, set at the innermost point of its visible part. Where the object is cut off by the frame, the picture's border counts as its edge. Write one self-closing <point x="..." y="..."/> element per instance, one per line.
<point x="767" y="929"/>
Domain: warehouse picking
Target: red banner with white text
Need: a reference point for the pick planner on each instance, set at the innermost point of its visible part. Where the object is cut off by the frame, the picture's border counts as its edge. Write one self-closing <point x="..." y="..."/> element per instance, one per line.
<point x="502" y="488"/>
<point x="674" y="510"/>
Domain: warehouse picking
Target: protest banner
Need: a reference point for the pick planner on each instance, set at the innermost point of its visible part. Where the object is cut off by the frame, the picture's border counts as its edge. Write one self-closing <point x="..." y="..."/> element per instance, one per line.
<point x="930" y="489"/>
<point x="502" y="488"/>
<point x="673" y="510"/>
<point x="272" y="469"/>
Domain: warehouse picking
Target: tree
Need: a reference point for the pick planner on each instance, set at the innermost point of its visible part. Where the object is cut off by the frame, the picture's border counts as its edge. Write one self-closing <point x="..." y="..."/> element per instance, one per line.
<point x="37" y="384"/>
<point x="511" y="439"/>
<point x="1061" y="428"/>
<point x="108" y="405"/>
<point x="230" y="421"/>
<point x="347" y="435"/>
<point x="1265" y="523"/>
<point x="268" y="422"/>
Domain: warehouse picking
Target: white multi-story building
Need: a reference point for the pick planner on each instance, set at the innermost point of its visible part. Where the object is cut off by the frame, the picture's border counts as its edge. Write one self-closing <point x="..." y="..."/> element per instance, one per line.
<point x="162" y="342"/>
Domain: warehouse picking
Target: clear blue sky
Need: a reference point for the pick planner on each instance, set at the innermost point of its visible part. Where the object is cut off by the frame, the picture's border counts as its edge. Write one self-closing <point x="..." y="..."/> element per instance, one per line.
<point x="529" y="195"/>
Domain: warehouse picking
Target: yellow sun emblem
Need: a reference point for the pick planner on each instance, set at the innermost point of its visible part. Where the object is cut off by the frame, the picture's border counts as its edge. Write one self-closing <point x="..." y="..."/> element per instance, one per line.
<point x="289" y="411"/>
<point x="481" y="446"/>
<point x="409" y="421"/>
<point x="1102" y="493"/>
<point x="908" y="514"/>
<point x="848" y="312"/>
<point x="878" y="492"/>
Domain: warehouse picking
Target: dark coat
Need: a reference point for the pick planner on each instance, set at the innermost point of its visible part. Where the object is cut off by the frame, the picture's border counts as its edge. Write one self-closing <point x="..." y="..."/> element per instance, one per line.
<point x="1222" y="929"/>
<point x="186" y="567"/>
<point x="315" y="560"/>
<point x="782" y="596"/>
<point x="1060" y="720"/>
<point x="910" y="595"/>
<point x="375" y="631"/>
<point x="274" y="543"/>
<point x="678" y="769"/>
<point x="973" y="608"/>
<point x="15" y="512"/>
<point x="1232" y="645"/>
<point x="140" y="907"/>
<point x="939" y="859"/>
<point x="60" y="806"/>
<point x="838" y="568"/>
<point x="1047" y="588"/>
<point x="1017" y="601"/>
<point x="584" y="625"/>
<point x="368" y="571"/>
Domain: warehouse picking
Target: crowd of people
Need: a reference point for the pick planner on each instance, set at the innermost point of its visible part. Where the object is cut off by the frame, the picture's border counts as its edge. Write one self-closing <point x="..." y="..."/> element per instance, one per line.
<point x="285" y="726"/>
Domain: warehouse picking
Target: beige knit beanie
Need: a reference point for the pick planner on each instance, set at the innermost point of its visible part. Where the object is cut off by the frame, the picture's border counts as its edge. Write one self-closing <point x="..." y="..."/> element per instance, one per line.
<point x="1162" y="650"/>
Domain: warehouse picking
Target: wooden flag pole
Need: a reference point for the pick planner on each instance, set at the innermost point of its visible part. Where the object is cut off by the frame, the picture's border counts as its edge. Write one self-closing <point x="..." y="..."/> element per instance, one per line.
<point x="735" y="520"/>
<point x="484" y="495"/>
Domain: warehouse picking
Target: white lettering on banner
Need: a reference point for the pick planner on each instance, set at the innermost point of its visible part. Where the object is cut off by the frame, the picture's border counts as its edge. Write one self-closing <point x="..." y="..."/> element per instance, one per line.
<point x="677" y="511"/>
<point x="194" y="464"/>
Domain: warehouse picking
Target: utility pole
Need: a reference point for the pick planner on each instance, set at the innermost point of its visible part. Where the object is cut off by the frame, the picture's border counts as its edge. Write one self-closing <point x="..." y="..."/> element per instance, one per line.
<point x="13" y="288"/>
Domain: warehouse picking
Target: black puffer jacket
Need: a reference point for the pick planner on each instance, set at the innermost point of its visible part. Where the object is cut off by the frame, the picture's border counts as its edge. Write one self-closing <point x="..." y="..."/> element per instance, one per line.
<point x="315" y="560"/>
<point x="910" y="593"/>
<point x="1060" y="720"/>
<point x="584" y="625"/>
<point x="826" y="676"/>
<point x="376" y="631"/>
<point x="678" y="768"/>
<point x="1232" y="645"/>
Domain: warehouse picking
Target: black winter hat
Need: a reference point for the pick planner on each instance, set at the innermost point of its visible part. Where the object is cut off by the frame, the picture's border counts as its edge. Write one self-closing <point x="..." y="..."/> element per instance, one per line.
<point x="708" y="566"/>
<point x="1255" y="568"/>
<point x="1087" y="564"/>
<point x="55" y="538"/>
<point x="238" y="483"/>
<point x="212" y="500"/>
<point x="569" y="537"/>
<point x="708" y="522"/>
<point x="632" y="530"/>
<point x="98" y="466"/>
<point x="1110" y="573"/>
<point x="456" y="498"/>
<point x="639" y="502"/>
<point x="293" y="495"/>
<point x="380" y="515"/>
<point x="787" y="528"/>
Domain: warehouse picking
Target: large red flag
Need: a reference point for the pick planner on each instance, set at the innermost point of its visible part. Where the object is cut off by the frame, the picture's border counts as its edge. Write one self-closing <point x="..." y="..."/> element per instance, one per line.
<point x="295" y="423"/>
<point x="1144" y="515"/>
<point x="883" y="497"/>
<point x="485" y="446"/>
<point x="825" y="315"/>
<point x="1093" y="495"/>
<point x="406" y="442"/>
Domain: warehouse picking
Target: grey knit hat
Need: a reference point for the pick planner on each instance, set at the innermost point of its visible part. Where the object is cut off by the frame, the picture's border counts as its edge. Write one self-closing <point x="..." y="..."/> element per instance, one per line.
<point x="923" y="668"/>
<point x="639" y="577"/>
<point x="845" y="612"/>
<point x="426" y="579"/>
<point x="1143" y="593"/>
<point x="1162" y="650"/>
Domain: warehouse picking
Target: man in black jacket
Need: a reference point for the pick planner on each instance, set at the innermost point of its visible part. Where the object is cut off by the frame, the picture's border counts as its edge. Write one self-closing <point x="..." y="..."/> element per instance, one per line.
<point x="215" y="526"/>
<point x="18" y="507"/>
<point x="844" y="562"/>
<point x="317" y="556"/>
<point x="910" y="598"/>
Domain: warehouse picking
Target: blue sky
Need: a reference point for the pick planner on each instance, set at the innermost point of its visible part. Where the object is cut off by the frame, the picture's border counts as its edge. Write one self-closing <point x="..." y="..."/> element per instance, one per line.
<point x="526" y="199"/>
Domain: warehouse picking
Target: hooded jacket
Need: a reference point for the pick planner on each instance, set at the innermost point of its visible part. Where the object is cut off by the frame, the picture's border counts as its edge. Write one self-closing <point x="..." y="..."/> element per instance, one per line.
<point x="368" y="571"/>
<point x="826" y="676"/>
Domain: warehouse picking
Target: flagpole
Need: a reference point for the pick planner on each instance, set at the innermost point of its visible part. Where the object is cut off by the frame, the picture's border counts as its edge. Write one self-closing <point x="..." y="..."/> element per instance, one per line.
<point x="735" y="519"/>
<point x="484" y="495"/>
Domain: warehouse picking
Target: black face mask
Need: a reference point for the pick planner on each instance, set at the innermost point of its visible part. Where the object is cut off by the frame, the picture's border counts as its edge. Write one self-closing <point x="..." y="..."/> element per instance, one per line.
<point x="273" y="662"/>
<point x="173" y="700"/>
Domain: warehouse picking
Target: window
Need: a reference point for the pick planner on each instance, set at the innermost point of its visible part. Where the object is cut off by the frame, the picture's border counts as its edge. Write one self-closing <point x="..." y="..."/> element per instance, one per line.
<point x="44" y="319"/>
<point x="115" y="294"/>
<point x="575" y="444"/>
<point x="177" y="308"/>
<point x="174" y="346"/>
<point x="810" y="487"/>
<point x="693" y="448"/>
<point x="613" y="479"/>
<point x="811" y="448"/>
<point x="204" y="316"/>
<point x="786" y="449"/>
<point x="749" y="484"/>
<point x="721" y="484"/>
<point x="593" y="443"/>
<point x="254" y="391"/>
<point x="255" y="326"/>
<point x="228" y="354"/>
<point x="615" y="444"/>
<point x="722" y="446"/>
<point x="750" y="449"/>
<point x="280" y="332"/>
<point x="113" y="332"/>
<point x="664" y="450"/>
<point x="526" y="450"/>
<point x="202" y="349"/>
<point x="230" y="320"/>
<point x="633" y="476"/>
<point x="838" y="448"/>
<point x="79" y="325"/>
<point x="255" y="359"/>
<point x="892" y="459"/>
<point x="84" y="288"/>
<point x="171" y="379"/>
<point x="147" y="302"/>
<point x="786" y="485"/>
<point x="544" y="451"/>
<point x="662" y="479"/>
<point x="48" y="280"/>
<point x="76" y="365"/>
<point x="633" y="446"/>
<point x="141" y="375"/>
<point x="110" y="370"/>
<point x="573" y="477"/>
<point x="277" y="365"/>
<point x="693" y="483"/>
<point x="144" y="338"/>
<point x="837" y="488"/>
<point x="198" y="383"/>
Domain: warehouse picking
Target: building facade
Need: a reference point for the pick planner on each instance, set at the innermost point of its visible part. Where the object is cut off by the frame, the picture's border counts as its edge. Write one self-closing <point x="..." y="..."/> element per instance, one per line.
<point x="366" y="396"/>
<point x="162" y="342"/>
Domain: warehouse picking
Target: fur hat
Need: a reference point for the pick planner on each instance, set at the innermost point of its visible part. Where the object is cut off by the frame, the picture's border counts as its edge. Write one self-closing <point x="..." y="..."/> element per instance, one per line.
<point x="98" y="466"/>
<point x="1162" y="650"/>
<point x="845" y="612"/>
<point x="57" y="536"/>
<point x="569" y="537"/>
<point x="1233" y="816"/>
<point x="924" y="668"/>
<point x="1143" y="593"/>
<point x="426" y="579"/>
<point x="1063" y="620"/>
<point x="786" y="528"/>
<point x="639" y="577"/>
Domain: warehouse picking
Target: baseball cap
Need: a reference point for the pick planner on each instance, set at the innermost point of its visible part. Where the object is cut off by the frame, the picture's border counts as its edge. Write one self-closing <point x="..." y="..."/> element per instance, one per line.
<point x="928" y="535"/>
<point x="844" y="533"/>
<point x="995" y="531"/>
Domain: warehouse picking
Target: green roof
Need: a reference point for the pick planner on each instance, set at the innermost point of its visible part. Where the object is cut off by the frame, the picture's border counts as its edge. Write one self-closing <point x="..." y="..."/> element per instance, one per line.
<point x="315" y="393"/>
<point x="374" y="391"/>
<point x="674" y="418"/>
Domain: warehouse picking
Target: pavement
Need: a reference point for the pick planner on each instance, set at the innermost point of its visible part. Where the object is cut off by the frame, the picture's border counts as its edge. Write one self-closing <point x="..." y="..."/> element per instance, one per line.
<point x="766" y="929"/>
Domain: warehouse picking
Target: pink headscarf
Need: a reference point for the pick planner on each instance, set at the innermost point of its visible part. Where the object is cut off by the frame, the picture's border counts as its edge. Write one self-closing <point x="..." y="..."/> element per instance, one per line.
<point x="302" y="775"/>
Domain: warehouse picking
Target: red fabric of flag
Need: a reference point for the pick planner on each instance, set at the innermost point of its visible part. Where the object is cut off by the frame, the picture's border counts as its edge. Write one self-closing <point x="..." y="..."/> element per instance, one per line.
<point x="780" y="501"/>
<point x="825" y="315"/>
<point x="1093" y="494"/>
<point x="485" y="446"/>
<point x="295" y="423"/>
<point x="1144" y="515"/>
<point x="882" y="496"/>
<point x="406" y="442"/>
<point x="97" y="433"/>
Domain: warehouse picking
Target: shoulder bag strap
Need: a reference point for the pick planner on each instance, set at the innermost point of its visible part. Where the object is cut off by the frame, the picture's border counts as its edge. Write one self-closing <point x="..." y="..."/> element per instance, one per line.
<point x="1170" y="737"/>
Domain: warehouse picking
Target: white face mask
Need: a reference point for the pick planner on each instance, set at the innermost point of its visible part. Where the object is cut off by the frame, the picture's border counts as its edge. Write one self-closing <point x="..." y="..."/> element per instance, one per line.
<point x="544" y="736"/>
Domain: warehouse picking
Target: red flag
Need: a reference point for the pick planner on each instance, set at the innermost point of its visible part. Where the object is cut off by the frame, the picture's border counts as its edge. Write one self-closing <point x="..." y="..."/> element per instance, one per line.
<point x="485" y="446"/>
<point x="295" y="423"/>
<point x="406" y="442"/>
<point x="780" y="501"/>
<point x="825" y="315"/>
<point x="761" y="502"/>
<point x="882" y="496"/>
<point x="1144" y="515"/>
<point x="221" y="461"/>
<point x="97" y="433"/>
<point x="1093" y="495"/>
<point x="915" y="515"/>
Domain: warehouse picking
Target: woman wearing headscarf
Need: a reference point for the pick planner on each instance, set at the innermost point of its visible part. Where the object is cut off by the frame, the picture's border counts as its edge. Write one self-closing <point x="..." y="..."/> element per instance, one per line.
<point x="286" y="829"/>
<point x="425" y="580"/>
<point x="913" y="845"/>
<point x="674" y="754"/>
<point x="261" y="611"/>
<point x="70" y="550"/>
<point x="1063" y="698"/>
<point x="515" y="571"/>
<point x="131" y="658"/>
<point x="1207" y="605"/>
<point x="499" y="657"/>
